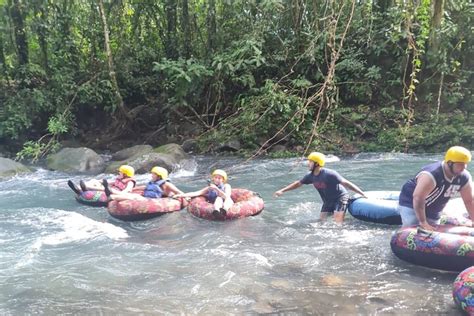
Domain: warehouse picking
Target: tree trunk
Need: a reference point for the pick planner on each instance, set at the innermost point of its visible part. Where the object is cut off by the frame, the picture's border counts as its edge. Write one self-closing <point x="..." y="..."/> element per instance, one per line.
<point x="118" y="97"/>
<point x="158" y="18"/>
<point x="171" y="42"/>
<point x="211" y="27"/>
<point x="437" y="9"/>
<point x="186" y="29"/>
<point x="94" y="39"/>
<point x="21" y="41"/>
<point x="42" y="32"/>
<point x="2" y="59"/>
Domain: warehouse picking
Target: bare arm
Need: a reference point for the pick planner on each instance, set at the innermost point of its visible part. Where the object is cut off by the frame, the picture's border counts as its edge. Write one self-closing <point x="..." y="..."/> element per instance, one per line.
<point x="468" y="199"/>
<point x="171" y="189"/>
<point x="424" y="185"/>
<point x="351" y="186"/>
<point x="192" y="194"/>
<point x="129" y="187"/>
<point x="289" y="187"/>
<point x="223" y="194"/>
<point x="228" y="191"/>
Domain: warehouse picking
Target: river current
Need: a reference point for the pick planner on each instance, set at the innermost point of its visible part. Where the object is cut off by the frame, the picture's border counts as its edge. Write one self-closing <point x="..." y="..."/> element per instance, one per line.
<point x="61" y="257"/>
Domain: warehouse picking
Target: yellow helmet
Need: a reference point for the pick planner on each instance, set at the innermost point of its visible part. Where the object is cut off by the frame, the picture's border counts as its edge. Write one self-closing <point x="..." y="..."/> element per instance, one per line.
<point x="221" y="173"/>
<point x="160" y="171"/>
<point x="127" y="170"/>
<point x="458" y="154"/>
<point x="318" y="158"/>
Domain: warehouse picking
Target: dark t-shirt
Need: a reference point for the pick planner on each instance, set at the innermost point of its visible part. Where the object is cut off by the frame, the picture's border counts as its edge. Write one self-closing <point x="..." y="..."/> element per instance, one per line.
<point x="443" y="191"/>
<point x="328" y="184"/>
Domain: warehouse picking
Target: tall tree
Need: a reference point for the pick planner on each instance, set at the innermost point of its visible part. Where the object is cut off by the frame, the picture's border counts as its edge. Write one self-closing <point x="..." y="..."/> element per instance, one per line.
<point x="437" y="9"/>
<point x="2" y="45"/>
<point x="185" y="25"/>
<point x="211" y="27"/>
<point x="113" y="78"/>
<point x="2" y="58"/>
<point x="17" y="16"/>
<point x="171" y="47"/>
<point x="41" y="27"/>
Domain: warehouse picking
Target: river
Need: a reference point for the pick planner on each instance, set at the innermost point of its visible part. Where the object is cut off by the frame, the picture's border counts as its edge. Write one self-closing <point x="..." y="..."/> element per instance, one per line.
<point x="61" y="257"/>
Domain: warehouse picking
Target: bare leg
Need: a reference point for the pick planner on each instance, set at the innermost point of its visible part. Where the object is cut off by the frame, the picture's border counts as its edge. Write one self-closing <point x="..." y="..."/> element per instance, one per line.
<point x="339" y="217"/>
<point x="218" y="203"/>
<point x="228" y="204"/>
<point x="323" y="216"/>
<point x="73" y="187"/>
<point x="94" y="184"/>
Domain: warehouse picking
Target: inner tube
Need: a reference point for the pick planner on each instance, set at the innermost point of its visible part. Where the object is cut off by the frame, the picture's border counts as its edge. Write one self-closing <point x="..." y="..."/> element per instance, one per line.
<point x="379" y="207"/>
<point x="92" y="198"/>
<point x="450" y="248"/>
<point x="463" y="291"/>
<point x="138" y="210"/>
<point x="246" y="203"/>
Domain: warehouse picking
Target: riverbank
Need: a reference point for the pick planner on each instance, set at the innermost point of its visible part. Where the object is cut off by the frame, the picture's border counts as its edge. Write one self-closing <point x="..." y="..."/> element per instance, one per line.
<point x="377" y="131"/>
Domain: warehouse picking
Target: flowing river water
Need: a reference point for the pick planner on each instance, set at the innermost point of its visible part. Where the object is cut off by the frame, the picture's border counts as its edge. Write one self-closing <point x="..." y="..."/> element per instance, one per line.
<point x="61" y="257"/>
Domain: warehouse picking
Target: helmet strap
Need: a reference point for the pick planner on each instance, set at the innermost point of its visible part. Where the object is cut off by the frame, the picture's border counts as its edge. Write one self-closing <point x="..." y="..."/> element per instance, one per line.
<point x="315" y="165"/>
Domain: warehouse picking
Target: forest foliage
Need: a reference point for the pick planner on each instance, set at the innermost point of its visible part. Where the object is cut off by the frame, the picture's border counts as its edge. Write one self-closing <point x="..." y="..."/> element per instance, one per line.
<point x="342" y="76"/>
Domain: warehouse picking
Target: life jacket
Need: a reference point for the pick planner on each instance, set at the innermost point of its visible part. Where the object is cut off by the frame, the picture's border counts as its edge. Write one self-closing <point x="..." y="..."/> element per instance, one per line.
<point x="153" y="189"/>
<point x="121" y="183"/>
<point x="212" y="194"/>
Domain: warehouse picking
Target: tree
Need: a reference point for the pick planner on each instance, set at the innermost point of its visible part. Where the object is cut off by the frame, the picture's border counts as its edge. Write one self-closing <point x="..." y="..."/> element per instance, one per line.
<point x="17" y="16"/>
<point x="171" y="46"/>
<point x="113" y="78"/>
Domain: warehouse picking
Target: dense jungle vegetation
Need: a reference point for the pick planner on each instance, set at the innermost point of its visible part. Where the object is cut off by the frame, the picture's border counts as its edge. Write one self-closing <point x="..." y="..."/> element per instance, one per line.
<point x="334" y="75"/>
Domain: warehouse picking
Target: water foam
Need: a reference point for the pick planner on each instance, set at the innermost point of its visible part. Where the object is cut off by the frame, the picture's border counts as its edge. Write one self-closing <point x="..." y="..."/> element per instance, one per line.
<point x="260" y="259"/>
<point x="77" y="227"/>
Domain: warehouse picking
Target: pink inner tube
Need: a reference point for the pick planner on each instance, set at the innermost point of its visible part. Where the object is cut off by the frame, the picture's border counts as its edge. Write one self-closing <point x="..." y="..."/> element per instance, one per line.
<point x="92" y="198"/>
<point x="144" y="209"/>
<point x="246" y="203"/>
<point x="449" y="248"/>
<point x="463" y="290"/>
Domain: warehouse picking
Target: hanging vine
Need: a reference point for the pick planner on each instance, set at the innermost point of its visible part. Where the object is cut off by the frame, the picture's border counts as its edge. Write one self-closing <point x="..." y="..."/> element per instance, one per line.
<point x="417" y="28"/>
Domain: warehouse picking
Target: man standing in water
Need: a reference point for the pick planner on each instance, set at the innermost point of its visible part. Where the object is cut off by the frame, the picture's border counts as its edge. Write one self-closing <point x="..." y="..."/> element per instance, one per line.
<point x="423" y="197"/>
<point x="330" y="185"/>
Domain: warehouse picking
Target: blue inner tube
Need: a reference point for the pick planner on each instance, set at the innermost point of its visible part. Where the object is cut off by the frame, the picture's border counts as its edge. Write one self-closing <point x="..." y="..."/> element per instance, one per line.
<point x="379" y="207"/>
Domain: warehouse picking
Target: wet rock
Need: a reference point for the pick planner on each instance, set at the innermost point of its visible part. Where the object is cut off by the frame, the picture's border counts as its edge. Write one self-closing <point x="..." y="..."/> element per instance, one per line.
<point x="10" y="167"/>
<point x="189" y="145"/>
<point x="82" y="159"/>
<point x="331" y="280"/>
<point x="131" y="152"/>
<point x="166" y="156"/>
<point x="232" y="145"/>
<point x="174" y="150"/>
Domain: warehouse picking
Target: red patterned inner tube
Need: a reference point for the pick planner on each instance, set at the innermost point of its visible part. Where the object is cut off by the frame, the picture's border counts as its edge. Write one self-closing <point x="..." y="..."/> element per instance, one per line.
<point x="449" y="248"/>
<point x="463" y="290"/>
<point x="131" y="210"/>
<point x="246" y="203"/>
<point x="92" y="198"/>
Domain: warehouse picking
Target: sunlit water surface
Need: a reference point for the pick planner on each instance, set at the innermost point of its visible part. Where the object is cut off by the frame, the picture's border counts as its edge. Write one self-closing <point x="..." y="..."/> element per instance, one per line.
<point x="60" y="257"/>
